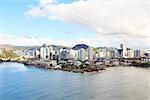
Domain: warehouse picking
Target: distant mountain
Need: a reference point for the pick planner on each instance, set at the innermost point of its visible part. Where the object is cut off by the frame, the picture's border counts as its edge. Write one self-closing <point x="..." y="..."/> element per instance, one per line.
<point x="10" y="47"/>
<point x="79" y="46"/>
<point x="26" y="47"/>
<point x="58" y="47"/>
<point x="7" y="47"/>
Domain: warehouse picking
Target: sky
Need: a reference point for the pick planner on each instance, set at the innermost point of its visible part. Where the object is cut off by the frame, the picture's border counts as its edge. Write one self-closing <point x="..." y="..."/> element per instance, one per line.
<point x="97" y="23"/>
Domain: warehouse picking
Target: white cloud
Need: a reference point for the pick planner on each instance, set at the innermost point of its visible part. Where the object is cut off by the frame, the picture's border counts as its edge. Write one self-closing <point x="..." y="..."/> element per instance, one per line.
<point x="125" y="21"/>
<point x="102" y="16"/>
<point x="26" y="40"/>
<point x="46" y="2"/>
<point x="31" y="41"/>
<point x="95" y="41"/>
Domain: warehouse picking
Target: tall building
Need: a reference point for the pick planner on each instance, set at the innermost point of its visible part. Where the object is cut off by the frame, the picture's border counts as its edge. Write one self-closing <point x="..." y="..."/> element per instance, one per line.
<point x="122" y="46"/>
<point x="47" y="53"/>
<point x="136" y="53"/>
<point x="64" y="54"/>
<point x="145" y="53"/>
<point x="43" y="53"/>
<point x="112" y="54"/>
<point x="103" y="53"/>
<point x="124" y="51"/>
<point x="37" y="53"/>
<point x="90" y="53"/>
<point x="73" y="54"/>
<point x="117" y="55"/>
<point x="130" y="53"/>
<point x="52" y="52"/>
<point x="82" y="54"/>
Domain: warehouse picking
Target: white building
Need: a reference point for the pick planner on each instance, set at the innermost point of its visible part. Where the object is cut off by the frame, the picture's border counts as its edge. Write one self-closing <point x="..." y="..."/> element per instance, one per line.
<point x="43" y="53"/>
<point x="130" y="53"/>
<point x="90" y="53"/>
<point x="101" y="53"/>
<point x="37" y="53"/>
<point x="29" y="54"/>
<point x="54" y="52"/>
<point x="51" y="49"/>
<point x="73" y="54"/>
<point x="144" y="52"/>
<point x="127" y="52"/>
<point x="124" y="51"/>
<point x="104" y="53"/>
<point x="82" y="54"/>
<point x="137" y="54"/>
<point x="47" y="52"/>
<point x="64" y="54"/>
<point x="114" y="53"/>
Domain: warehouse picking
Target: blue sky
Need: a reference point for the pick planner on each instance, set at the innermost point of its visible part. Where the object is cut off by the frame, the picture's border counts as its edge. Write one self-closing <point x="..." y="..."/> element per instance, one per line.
<point x="69" y="22"/>
<point x="14" y="22"/>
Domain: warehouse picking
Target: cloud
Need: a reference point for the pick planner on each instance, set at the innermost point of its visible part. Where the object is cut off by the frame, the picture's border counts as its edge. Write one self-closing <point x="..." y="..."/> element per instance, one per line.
<point x="127" y="17"/>
<point x="31" y="41"/>
<point x="115" y="21"/>
<point x="95" y="41"/>
<point x="46" y="2"/>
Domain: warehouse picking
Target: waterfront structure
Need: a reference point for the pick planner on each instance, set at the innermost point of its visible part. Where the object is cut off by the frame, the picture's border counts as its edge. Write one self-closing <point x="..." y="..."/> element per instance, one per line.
<point x="104" y="52"/>
<point x="64" y="54"/>
<point x="114" y="53"/>
<point x="82" y="54"/>
<point x="145" y="53"/>
<point x="73" y="54"/>
<point x="29" y="54"/>
<point x="37" y="53"/>
<point x="43" y="53"/>
<point x="47" y="53"/>
<point x="96" y="55"/>
<point x="90" y="53"/>
<point x="78" y="63"/>
<point x="124" y="51"/>
<point x="52" y="52"/>
<point x="130" y="53"/>
<point x="55" y="52"/>
<point x="137" y="53"/>
<point x="100" y="54"/>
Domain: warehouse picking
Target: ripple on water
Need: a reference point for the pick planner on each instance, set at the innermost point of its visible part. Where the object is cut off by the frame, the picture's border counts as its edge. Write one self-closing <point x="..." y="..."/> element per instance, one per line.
<point x="120" y="83"/>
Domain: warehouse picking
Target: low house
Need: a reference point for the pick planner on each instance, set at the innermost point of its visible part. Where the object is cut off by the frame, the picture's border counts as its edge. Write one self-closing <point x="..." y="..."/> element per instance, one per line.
<point x="77" y="63"/>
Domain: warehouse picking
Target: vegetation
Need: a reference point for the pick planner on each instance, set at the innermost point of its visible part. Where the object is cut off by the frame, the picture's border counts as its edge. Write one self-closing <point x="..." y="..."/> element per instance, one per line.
<point x="139" y="64"/>
<point x="8" y="55"/>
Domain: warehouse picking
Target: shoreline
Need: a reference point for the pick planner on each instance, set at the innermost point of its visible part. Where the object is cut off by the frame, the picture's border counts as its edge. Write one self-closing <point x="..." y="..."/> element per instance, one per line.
<point x="73" y="68"/>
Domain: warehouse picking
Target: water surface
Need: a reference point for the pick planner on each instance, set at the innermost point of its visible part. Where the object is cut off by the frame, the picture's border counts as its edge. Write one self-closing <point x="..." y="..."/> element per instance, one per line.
<point x="18" y="82"/>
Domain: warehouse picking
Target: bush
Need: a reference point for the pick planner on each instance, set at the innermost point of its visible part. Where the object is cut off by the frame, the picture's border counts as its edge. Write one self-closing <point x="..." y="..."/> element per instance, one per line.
<point x="8" y="55"/>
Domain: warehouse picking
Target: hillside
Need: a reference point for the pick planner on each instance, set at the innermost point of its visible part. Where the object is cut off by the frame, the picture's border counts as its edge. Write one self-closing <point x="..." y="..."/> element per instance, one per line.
<point x="7" y="47"/>
<point x="79" y="46"/>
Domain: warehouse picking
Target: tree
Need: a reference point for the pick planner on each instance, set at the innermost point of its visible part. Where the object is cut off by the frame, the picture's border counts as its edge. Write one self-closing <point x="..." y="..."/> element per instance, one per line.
<point x="7" y="54"/>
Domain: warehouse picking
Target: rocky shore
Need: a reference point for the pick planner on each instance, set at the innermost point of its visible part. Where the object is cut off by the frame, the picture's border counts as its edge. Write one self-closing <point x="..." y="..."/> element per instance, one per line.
<point x="74" y="69"/>
<point x="69" y="68"/>
<point x="143" y="65"/>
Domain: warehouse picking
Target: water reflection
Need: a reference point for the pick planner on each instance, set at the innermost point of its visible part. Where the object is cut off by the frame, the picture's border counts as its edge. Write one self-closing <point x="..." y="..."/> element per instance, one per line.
<point x="120" y="83"/>
<point x="12" y="67"/>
